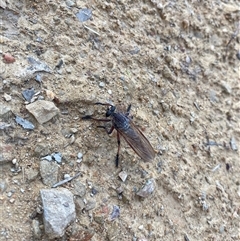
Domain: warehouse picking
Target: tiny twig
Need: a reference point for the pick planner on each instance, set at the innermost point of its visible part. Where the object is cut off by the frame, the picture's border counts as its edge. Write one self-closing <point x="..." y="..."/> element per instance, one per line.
<point x="91" y="30"/>
<point x="66" y="180"/>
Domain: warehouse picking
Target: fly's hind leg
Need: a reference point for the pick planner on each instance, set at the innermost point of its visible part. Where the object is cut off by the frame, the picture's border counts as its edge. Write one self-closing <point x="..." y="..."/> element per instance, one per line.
<point x="119" y="142"/>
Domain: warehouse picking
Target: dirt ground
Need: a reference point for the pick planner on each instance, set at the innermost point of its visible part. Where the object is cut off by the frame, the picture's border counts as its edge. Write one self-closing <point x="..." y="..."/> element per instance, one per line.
<point x="177" y="63"/>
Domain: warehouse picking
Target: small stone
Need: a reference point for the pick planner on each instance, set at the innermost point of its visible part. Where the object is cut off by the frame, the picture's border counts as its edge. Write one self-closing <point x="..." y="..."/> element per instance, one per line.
<point x="9" y="194"/>
<point x="79" y="155"/>
<point x="226" y="87"/>
<point x="3" y="186"/>
<point x="90" y="205"/>
<point x="5" y="112"/>
<point x="115" y="212"/>
<point x="123" y="175"/>
<point x="28" y="94"/>
<point x="109" y="92"/>
<point x="84" y="14"/>
<point x="147" y="189"/>
<point x="8" y="58"/>
<point x="80" y="205"/>
<point x="70" y="3"/>
<point x="101" y="84"/>
<point x="7" y="97"/>
<point x="233" y="144"/>
<point x="57" y="156"/>
<point x="49" y="172"/>
<point x="31" y="174"/>
<point x="41" y="150"/>
<point x="24" y="123"/>
<point x="79" y="189"/>
<point x="43" y="110"/>
<point x="14" y="161"/>
<point x="66" y="176"/>
<point x="140" y="227"/>
<point x="36" y="229"/>
<point x="12" y="200"/>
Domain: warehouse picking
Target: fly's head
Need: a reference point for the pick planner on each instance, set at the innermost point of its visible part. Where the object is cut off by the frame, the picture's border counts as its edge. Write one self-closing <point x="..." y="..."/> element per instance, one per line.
<point x="110" y="110"/>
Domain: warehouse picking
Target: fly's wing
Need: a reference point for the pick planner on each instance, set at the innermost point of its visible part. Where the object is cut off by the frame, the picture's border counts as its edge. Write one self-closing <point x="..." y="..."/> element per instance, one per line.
<point x="139" y="143"/>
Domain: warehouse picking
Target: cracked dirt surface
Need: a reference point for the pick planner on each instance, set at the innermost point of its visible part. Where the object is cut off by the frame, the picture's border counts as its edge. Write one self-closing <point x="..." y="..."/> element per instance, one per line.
<point x="177" y="63"/>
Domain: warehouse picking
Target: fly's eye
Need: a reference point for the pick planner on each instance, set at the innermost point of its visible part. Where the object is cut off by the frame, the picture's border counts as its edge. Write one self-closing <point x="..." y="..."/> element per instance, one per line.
<point x="110" y="111"/>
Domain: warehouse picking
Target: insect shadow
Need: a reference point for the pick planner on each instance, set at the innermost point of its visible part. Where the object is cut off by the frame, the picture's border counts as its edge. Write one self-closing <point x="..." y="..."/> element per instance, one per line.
<point x="125" y="127"/>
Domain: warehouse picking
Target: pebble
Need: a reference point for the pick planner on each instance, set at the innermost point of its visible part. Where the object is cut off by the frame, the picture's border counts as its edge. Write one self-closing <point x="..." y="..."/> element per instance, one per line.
<point x="8" y="58"/>
<point x="101" y="84"/>
<point x="66" y="176"/>
<point x="57" y="156"/>
<point x="5" y="112"/>
<point x="84" y="14"/>
<point x="90" y="205"/>
<point x="28" y="94"/>
<point x="24" y="123"/>
<point x="12" y="200"/>
<point x="233" y="144"/>
<point x="43" y="110"/>
<point x="49" y="172"/>
<point x="41" y="149"/>
<point x="14" y="161"/>
<point x="79" y="155"/>
<point x="115" y="212"/>
<point x="147" y="189"/>
<point x="226" y="88"/>
<point x="7" y="97"/>
<point x="36" y="229"/>
<point x="140" y="227"/>
<point x="123" y="175"/>
<point x="70" y="3"/>
<point x="9" y="194"/>
<point x="3" y="186"/>
<point x="31" y="174"/>
<point x="79" y="189"/>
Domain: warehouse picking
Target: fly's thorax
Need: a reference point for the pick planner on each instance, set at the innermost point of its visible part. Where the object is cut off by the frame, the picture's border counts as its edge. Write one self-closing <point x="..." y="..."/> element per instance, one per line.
<point x="120" y="121"/>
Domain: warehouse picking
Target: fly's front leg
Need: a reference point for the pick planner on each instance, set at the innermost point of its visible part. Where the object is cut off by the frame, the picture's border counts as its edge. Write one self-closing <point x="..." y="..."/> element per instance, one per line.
<point x="128" y="110"/>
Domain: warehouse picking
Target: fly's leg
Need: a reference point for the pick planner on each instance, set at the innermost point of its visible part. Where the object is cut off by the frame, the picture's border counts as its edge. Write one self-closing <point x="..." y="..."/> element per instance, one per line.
<point x="105" y="128"/>
<point x="128" y="110"/>
<point x="119" y="142"/>
<point x="89" y="117"/>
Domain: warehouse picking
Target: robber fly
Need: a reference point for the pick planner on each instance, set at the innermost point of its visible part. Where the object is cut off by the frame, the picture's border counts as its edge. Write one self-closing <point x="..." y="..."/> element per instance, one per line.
<point x="126" y="128"/>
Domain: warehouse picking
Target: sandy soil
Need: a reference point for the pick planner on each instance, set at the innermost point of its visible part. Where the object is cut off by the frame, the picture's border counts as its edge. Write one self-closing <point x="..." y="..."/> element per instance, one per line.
<point x="177" y="63"/>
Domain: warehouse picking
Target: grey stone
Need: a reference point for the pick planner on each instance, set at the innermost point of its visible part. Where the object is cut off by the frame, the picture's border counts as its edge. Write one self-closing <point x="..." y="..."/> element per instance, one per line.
<point x="49" y="172"/>
<point x="58" y="211"/>
<point x="80" y="205"/>
<point x="31" y="174"/>
<point x="3" y="186"/>
<point x="41" y="150"/>
<point x="147" y="189"/>
<point x="5" y="112"/>
<point x="226" y="87"/>
<point x="43" y="110"/>
<point x="90" y="205"/>
<point x="79" y="189"/>
<point x="36" y="229"/>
